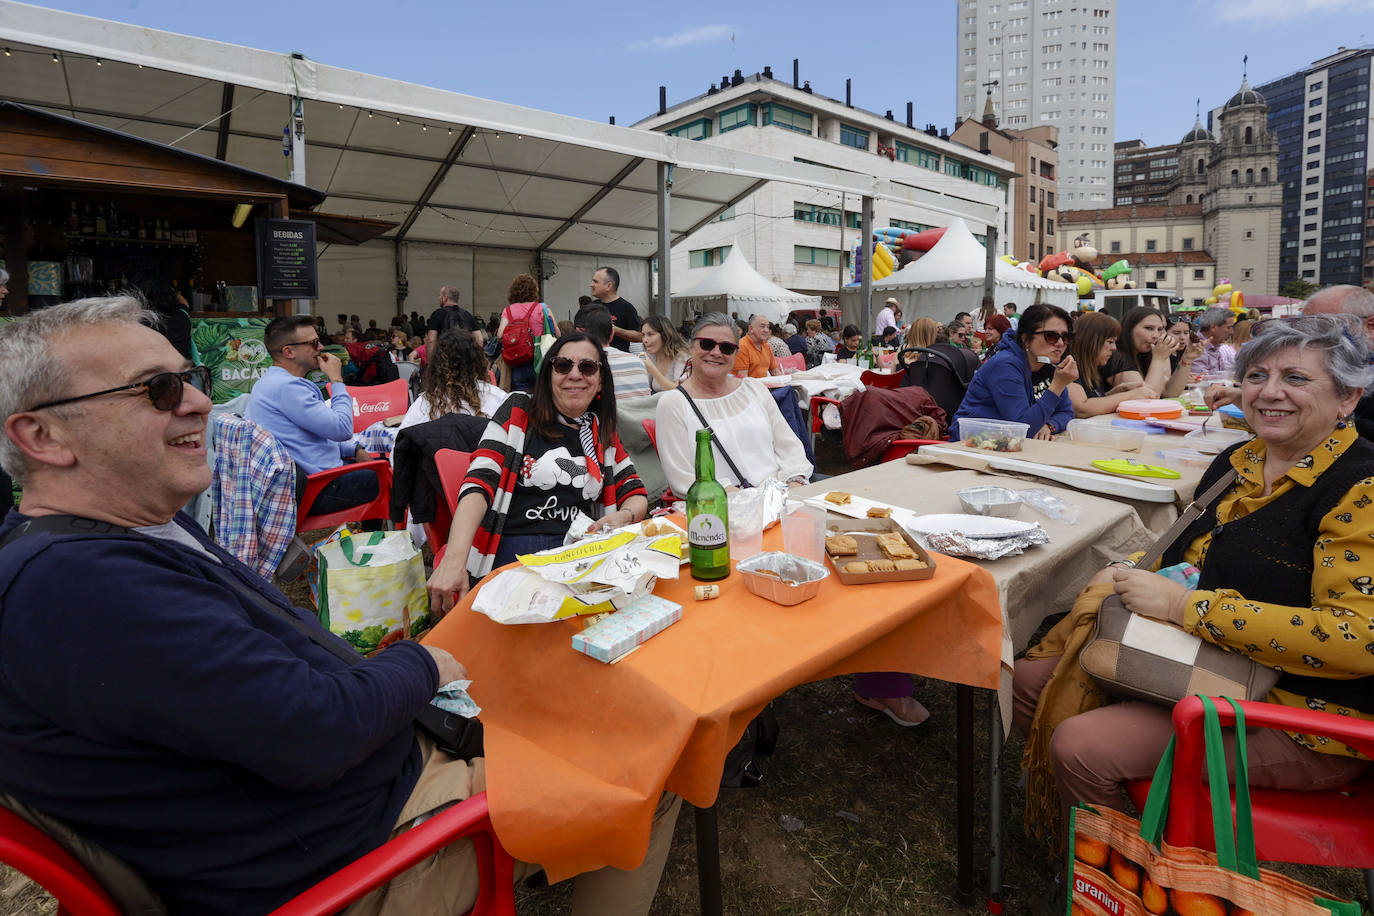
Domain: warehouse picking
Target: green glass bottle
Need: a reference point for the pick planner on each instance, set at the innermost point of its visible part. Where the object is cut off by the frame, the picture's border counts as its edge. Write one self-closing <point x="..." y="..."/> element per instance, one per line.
<point x="708" y="517"/>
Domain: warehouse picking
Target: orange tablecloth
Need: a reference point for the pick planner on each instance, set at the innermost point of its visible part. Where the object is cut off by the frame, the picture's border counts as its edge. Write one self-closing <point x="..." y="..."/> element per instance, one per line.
<point x="578" y="751"/>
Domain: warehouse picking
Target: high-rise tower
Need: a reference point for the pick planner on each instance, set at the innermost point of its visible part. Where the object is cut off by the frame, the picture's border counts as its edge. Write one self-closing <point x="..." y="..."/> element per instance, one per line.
<point x="1054" y="63"/>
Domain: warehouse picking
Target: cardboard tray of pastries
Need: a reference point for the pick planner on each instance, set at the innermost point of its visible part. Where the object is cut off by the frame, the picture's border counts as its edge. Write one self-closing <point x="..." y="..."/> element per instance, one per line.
<point x="888" y="552"/>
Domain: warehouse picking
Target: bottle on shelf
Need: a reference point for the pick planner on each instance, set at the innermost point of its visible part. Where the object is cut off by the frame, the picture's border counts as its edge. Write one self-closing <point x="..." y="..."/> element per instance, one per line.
<point x="73" y="220"/>
<point x="708" y="517"/>
<point x="102" y="223"/>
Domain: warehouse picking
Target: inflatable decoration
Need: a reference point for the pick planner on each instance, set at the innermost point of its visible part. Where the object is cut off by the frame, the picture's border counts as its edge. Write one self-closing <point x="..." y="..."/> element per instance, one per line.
<point x="923" y="241"/>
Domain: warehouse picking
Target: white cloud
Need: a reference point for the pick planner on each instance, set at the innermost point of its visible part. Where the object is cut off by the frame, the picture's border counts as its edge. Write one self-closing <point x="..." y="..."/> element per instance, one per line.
<point x="1259" y="12"/>
<point x="698" y="36"/>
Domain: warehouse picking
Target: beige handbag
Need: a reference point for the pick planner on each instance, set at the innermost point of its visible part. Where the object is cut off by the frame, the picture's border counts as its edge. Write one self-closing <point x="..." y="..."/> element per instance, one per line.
<point x="1134" y="656"/>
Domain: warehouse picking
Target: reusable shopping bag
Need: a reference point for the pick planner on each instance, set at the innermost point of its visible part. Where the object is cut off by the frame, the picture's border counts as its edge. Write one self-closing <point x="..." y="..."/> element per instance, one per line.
<point x="372" y="589"/>
<point x="1119" y="866"/>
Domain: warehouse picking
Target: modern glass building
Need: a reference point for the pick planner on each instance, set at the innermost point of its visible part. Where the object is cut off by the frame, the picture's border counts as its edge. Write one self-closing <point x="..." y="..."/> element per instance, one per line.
<point x="1322" y="120"/>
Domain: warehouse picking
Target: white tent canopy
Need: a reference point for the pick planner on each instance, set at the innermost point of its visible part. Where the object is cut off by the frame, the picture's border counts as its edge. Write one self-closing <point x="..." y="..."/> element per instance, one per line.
<point x="949" y="279"/>
<point x="736" y="286"/>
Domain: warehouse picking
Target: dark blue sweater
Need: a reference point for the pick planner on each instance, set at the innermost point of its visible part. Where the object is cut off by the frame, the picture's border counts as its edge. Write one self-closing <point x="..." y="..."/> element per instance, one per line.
<point x="1001" y="390"/>
<point x="221" y="753"/>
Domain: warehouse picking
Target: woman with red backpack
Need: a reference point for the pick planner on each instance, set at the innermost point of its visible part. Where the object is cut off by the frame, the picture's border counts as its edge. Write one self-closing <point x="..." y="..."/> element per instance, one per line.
<point x="523" y="322"/>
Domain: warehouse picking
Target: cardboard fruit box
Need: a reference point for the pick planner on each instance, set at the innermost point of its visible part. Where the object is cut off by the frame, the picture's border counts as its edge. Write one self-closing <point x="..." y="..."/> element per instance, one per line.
<point x="866" y="529"/>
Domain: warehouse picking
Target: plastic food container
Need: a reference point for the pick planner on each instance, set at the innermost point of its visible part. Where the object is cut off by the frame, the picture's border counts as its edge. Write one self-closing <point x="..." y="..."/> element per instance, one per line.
<point x="1184" y="458"/>
<point x="1145" y="409"/>
<point x="998" y="501"/>
<point x="1117" y="437"/>
<point x="993" y="435"/>
<point x="781" y="577"/>
<point x="1215" y="438"/>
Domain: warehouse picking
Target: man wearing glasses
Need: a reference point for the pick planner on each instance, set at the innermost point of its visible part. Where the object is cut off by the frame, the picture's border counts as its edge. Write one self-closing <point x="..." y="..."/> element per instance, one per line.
<point x="161" y="699"/>
<point x="317" y="433"/>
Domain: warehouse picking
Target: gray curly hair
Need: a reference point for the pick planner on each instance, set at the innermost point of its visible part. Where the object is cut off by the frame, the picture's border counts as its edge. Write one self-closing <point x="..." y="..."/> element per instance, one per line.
<point x="1345" y="354"/>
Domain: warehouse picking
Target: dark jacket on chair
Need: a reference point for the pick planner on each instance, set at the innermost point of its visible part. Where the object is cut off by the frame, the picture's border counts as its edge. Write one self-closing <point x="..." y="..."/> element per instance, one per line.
<point x="415" y="482"/>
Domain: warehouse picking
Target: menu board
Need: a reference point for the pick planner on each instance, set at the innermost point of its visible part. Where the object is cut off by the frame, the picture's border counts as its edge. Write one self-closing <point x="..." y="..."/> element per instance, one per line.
<point x="286" y="259"/>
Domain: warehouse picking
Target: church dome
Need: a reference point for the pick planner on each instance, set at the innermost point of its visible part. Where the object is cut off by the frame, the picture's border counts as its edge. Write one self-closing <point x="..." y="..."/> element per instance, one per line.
<point x="1246" y="96"/>
<point x="1198" y="133"/>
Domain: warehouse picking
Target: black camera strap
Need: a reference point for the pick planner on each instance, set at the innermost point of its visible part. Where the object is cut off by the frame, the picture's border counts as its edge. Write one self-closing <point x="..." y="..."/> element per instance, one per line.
<point x="451" y="732"/>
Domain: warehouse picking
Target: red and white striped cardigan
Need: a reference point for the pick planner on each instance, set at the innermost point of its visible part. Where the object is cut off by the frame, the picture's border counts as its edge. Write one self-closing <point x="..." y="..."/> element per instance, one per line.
<point x="495" y="470"/>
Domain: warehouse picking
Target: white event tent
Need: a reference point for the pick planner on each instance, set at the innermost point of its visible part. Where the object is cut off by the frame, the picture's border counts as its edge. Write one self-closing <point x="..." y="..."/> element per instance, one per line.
<point x="949" y="279"/>
<point x="435" y="187"/>
<point x="736" y="286"/>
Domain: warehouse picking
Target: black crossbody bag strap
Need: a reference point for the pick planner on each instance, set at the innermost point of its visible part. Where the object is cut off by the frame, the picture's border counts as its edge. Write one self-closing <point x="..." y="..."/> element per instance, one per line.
<point x="453" y="733"/>
<point x="715" y="440"/>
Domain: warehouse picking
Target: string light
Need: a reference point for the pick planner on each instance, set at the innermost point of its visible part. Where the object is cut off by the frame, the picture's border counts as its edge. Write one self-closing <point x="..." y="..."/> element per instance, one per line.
<point x="9" y="53"/>
<point x="398" y="122"/>
<point x="99" y="62"/>
<point x="424" y="127"/>
<point x="369" y="114"/>
<point x="54" y="57"/>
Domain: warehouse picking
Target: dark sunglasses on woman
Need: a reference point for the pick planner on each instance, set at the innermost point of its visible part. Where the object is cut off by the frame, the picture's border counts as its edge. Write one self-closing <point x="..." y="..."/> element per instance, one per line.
<point x="164" y="389"/>
<point x="562" y="365"/>
<point x="726" y="348"/>
<point x="1053" y="337"/>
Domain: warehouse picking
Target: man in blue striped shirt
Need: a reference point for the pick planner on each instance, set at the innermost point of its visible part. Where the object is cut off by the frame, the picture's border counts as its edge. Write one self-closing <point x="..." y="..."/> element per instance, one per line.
<point x="631" y="378"/>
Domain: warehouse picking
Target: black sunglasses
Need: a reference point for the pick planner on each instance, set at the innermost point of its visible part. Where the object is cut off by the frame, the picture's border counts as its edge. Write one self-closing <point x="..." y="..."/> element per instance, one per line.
<point x="707" y="345"/>
<point x="562" y="365"/>
<point x="164" y="389"/>
<point x="1053" y="337"/>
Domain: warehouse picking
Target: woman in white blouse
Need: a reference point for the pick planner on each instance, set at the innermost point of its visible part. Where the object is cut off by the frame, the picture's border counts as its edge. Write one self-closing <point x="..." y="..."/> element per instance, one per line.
<point x="745" y="418"/>
<point x="749" y="427"/>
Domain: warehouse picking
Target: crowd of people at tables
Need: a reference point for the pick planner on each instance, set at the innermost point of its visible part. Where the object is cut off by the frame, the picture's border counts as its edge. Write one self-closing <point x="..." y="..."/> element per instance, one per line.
<point x="85" y="437"/>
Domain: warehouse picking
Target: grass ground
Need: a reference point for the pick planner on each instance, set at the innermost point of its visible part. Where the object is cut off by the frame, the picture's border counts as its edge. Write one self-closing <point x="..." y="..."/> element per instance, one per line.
<point x="855" y="816"/>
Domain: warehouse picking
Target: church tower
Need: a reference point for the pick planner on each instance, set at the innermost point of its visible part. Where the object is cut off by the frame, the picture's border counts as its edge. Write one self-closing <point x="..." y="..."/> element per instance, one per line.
<point x="1243" y="205"/>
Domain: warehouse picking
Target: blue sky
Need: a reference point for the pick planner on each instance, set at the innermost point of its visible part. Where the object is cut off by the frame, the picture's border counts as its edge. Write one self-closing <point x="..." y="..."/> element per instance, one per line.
<point x="597" y="60"/>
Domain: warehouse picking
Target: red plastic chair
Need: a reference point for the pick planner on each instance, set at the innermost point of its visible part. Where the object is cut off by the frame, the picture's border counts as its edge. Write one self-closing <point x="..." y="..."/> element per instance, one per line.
<point x="651" y="430"/>
<point x="794" y="363"/>
<point x="900" y="448"/>
<point x="27" y="849"/>
<point x="1310" y="828"/>
<point x="31" y="851"/>
<point x="452" y="466"/>
<point x="379" y="508"/>
<point x="377" y="402"/>
<point x="872" y="379"/>
<point x="814" y="407"/>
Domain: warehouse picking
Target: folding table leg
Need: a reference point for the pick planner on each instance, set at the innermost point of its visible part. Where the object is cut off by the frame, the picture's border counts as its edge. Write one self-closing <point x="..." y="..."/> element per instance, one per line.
<point x="963" y="701"/>
<point x="708" y="861"/>
<point x="994" y="804"/>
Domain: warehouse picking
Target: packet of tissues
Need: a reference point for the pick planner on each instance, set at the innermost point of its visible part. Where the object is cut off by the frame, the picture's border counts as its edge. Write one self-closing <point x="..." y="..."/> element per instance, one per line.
<point x="614" y="635"/>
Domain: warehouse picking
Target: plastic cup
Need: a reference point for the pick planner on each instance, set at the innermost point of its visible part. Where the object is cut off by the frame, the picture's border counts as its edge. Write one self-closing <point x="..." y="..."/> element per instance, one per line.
<point x="803" y="531"/>
<point x="746" y="529"/>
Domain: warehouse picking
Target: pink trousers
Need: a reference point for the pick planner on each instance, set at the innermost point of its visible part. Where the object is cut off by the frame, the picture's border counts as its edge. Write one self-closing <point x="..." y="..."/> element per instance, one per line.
<point x="1096" y="752"/>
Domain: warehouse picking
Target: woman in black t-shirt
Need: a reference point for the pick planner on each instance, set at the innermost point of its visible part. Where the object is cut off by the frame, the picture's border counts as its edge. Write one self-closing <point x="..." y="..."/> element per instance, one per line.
<point x="851" y="338"/>
<point x="1093" y="347"/>
<point x="1146" y="353"/>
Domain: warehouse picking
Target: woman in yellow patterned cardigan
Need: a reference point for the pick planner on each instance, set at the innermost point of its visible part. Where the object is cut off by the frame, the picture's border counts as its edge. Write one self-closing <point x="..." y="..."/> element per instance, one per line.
<point x="1283" y="562"/>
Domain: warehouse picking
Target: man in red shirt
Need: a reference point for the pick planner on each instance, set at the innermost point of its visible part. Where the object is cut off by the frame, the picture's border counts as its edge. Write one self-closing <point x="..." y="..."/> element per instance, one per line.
<point x="755" y="358"/>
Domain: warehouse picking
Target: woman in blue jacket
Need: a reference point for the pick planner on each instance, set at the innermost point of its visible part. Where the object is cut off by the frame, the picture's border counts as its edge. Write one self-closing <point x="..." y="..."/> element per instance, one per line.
<point x="1026" y="380"/>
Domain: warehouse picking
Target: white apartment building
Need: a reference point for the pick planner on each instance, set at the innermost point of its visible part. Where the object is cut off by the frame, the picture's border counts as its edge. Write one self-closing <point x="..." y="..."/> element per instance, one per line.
<point x="1054" y="63"/>
<point x="800" y="237"/>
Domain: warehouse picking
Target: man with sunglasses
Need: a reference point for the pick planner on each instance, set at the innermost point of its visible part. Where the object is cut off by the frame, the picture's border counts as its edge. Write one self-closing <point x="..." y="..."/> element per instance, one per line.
<point x="756" y="358"/>
<point x="167" y="704"/>
<point x="317" y="433"/>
